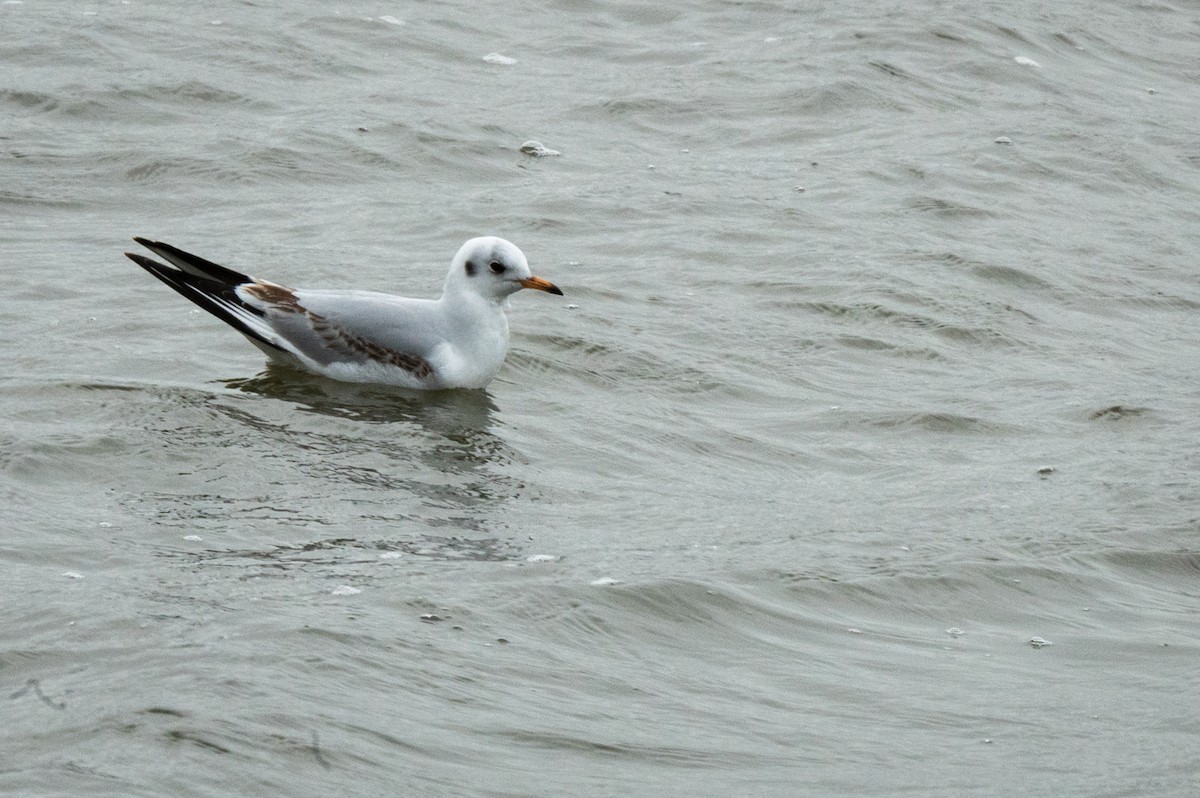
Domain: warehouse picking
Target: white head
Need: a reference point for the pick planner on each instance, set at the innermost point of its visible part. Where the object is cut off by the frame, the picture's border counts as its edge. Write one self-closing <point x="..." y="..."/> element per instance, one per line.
<point x="492" y="268"/>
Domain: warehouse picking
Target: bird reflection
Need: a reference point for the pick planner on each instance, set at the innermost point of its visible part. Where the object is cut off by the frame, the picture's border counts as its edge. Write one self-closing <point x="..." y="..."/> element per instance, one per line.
<point x="449" y="432"/>
<point x="454" y="413"/>
<point x="338" y="472"/>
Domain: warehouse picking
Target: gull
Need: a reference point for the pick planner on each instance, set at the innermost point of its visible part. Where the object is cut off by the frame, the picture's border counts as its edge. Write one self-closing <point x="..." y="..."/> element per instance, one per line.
<point x="456" y="341"/>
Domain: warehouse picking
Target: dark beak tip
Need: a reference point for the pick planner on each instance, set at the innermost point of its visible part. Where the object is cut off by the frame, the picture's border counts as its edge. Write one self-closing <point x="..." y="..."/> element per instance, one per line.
<point x="556" y="291"/>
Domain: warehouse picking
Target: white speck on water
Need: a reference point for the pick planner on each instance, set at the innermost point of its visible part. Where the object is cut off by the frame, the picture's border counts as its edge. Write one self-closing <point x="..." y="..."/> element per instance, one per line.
<point x="1029" y="62"/>
<point x="954" y="631"/>
<point x="345" y="590"/>
<point x="391" y="555"/>
<point x="1044" y="470"/>
<point x="537" y="150"/>
<point x="499" y="58"/>
<point x="73" y="575"/>
<point x="605" y="581"/>
<point x="1003" y="140"/>
<point x="572" y="306"/>
<point x="1152" y="91"/>
<point x="105" y="524"/>
<point x="1038" y="642"/>
<point x="391" y="20"/>
<point x="193" y="538"/>
<point x="650" y="166"/>
<point x="216" y="22"/>
<point x="852" y="630"/>
<point x="541" y="558"/>
<point x="685" y="150"/>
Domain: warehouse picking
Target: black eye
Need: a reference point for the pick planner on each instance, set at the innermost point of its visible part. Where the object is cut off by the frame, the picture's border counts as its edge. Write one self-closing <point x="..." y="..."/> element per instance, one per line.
<point x="497" y="267"/>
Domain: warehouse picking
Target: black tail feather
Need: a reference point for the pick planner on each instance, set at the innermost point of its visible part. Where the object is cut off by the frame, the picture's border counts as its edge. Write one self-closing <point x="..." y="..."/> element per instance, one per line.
<point x="193" y="264"/>
<point x="216" y="295"/>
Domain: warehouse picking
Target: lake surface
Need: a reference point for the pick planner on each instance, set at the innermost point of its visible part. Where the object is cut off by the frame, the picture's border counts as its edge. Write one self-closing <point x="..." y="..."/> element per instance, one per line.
<point x="860" y="457"/>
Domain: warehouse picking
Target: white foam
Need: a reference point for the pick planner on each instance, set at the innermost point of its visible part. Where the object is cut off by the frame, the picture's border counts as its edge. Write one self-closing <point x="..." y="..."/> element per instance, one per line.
<point x="537" y="150"/>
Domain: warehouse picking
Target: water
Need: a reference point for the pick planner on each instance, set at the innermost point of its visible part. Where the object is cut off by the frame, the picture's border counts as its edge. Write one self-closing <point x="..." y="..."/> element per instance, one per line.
<point x="877" y="362"/>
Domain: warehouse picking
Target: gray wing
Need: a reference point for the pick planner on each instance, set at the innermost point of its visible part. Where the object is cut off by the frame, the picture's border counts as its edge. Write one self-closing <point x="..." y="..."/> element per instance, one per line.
<point x="320" y="327"/>
<point x="352" y="326"/>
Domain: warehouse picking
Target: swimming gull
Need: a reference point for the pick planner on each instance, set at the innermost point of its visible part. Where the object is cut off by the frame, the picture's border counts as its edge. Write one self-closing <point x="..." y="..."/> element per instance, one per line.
<point x="456" y="341"/>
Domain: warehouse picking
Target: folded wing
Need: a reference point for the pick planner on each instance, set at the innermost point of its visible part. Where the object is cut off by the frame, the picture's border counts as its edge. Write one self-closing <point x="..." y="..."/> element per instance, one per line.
<point x="317" y="328"/>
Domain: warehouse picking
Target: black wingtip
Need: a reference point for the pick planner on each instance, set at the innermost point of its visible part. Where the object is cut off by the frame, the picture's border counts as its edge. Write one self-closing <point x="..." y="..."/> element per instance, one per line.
<point x="142" y="260"/>
<point x="193" y="264"/>
<point x="148" y="243"/>
<point x="212" y="295"/>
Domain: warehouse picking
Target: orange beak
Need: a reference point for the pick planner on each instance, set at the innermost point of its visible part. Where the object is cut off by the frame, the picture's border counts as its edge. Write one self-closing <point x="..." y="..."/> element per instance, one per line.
<point x="538" y="284"/>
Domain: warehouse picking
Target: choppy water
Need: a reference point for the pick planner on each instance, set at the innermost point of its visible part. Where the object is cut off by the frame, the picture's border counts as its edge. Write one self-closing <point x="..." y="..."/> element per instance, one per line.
<point x="878" y="361"/>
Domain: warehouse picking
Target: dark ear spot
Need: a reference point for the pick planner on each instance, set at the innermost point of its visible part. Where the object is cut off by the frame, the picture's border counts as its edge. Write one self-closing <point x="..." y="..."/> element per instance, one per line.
<point x="470" y="267"/>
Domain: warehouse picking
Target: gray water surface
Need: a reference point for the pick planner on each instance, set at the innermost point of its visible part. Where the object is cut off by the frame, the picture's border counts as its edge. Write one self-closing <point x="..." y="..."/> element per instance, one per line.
<point x="860" y="457"/>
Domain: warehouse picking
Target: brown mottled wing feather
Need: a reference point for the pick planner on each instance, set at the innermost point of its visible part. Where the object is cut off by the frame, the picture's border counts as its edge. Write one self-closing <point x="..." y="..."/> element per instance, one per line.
<point x="325" y="338"/>
<point x="337" y="338"/>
